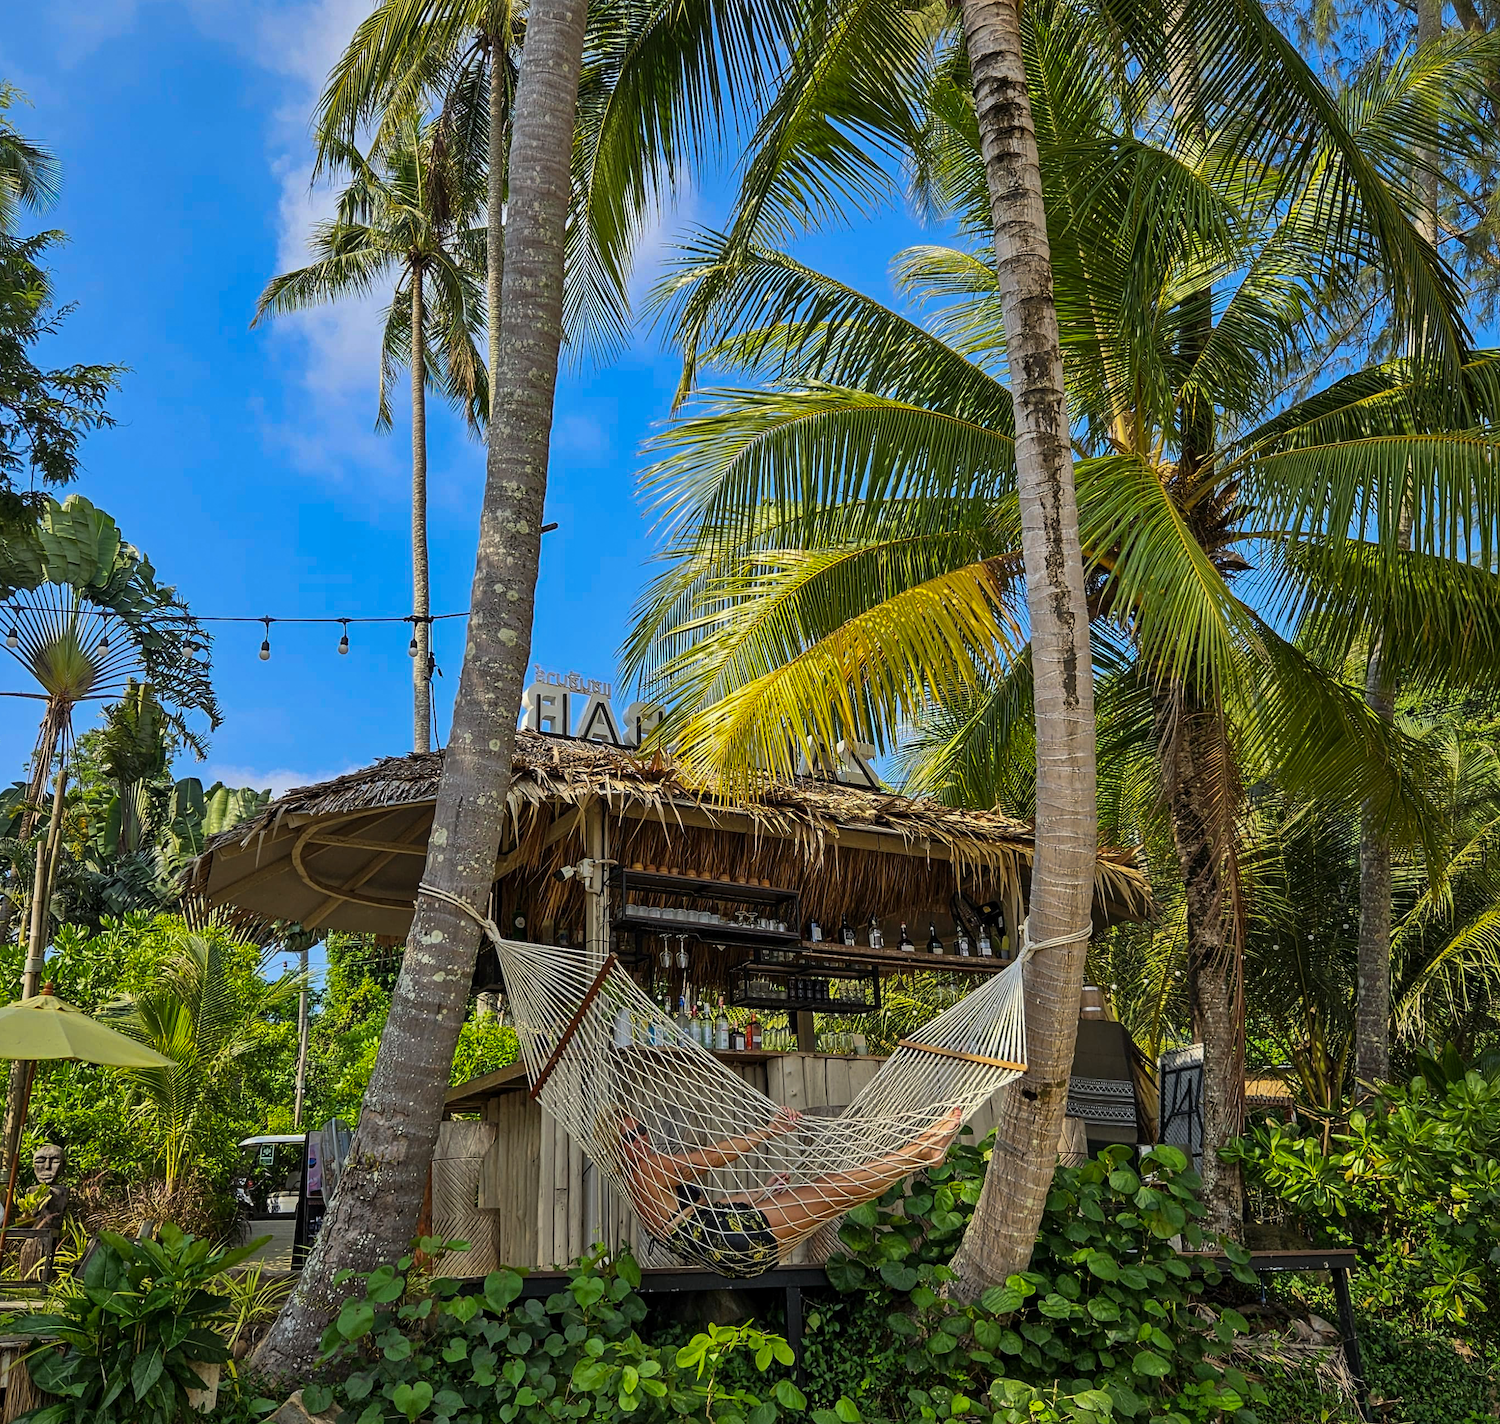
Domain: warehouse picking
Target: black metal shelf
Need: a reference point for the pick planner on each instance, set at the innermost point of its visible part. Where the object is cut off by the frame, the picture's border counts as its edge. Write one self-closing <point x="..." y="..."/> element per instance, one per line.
<point x="784" y="905"/>
<point x="707" y="931"/>
<point x="658" y="882"/>
<point x="806" y="989"/>
<point x="805" y="968"/>
<point x="907" y="961"/>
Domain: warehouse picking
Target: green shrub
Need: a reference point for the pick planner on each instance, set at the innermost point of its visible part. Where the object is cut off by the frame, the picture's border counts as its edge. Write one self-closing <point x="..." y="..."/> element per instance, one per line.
<point x="1415" y="1189"/>
<point x="129" y="1338"/>
<point x="411" y="1349"/>
<point x="1109" y="1315"/>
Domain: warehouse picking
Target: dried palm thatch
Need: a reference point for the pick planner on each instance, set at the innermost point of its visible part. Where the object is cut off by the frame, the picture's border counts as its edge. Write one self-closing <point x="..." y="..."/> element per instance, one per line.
<point x="348" y="853"/>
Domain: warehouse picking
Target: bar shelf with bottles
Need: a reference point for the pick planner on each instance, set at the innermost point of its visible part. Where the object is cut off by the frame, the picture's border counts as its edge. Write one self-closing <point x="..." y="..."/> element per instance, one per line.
<point x="820" y="989"/>
<point x="766" y="915"/>
<point x="986" y="951"/>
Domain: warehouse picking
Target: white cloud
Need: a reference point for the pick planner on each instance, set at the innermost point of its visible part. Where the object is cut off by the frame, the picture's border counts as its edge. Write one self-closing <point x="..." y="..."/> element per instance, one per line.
<point x="279" y="779"/>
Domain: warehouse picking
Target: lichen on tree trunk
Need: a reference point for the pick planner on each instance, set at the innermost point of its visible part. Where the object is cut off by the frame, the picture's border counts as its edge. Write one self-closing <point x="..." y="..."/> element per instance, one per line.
<point x="1003" y="1229"/>
<point x="374" y="1212"/>
<point x="1202" y="789"/>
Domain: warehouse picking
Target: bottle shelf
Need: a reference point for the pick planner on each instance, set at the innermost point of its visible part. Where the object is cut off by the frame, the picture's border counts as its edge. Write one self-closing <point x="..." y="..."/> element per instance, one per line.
<point x="918" y="960"/>
<point x="805" y="989"/>
<point x="772" y="916"/>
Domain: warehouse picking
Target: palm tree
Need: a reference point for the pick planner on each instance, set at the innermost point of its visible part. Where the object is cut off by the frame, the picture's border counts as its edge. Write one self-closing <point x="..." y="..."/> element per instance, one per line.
<point x="403" y="1104"/>
<point x="844" y="550"/>
<point x="459" y="53"/>
<point x="29" y="173"/>
<point x="195" y="1014"/>
<point x="407" y="211"/>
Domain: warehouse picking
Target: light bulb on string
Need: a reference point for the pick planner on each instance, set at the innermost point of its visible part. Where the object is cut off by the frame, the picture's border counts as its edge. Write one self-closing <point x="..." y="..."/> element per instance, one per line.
<point x="13" y="639"/>
<point x="265" y="647"/>
<point x="411" y="647"/>
<point x="344" y="641"/>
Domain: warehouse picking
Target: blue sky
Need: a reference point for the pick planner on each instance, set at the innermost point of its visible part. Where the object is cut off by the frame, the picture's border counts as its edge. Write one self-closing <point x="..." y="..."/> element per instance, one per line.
<point x="245" y="462"/>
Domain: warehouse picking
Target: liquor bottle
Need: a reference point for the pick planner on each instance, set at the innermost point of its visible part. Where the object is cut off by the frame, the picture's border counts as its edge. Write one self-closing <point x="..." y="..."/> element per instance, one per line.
<point x="736" y="1039"/>
<point x="721" y="1030"/>
<point x="684" y="1023"/>
<point x="753" y="1034"/>
<point x="877" y="940"/>
<point x="962" y="941"/>
<point x="563" y="942"/>
<point x="705" y="1026"/>
<point x="623" y="1029"/>
<point x="986" y="951"/>
<point x="846" y="930"/>
<point x="814" y="932"/>
<point x="934" y="944"/>
<point x="906" y="946"/>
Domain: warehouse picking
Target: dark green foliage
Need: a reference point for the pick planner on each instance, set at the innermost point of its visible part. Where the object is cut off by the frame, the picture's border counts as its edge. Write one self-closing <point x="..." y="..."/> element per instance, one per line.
<point x="411" y="1349"/>
<point x="130" y="1337"/>
<point x="1109" y="1315"/>
<point x="44" y="414"/>
<point x="1427" y="1379"/>
<point x="1414" y="1186"/>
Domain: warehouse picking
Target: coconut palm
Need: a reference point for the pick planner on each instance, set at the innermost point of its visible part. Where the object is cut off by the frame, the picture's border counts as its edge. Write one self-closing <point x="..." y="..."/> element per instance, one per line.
<point x="844" y="546"/>
<point x="409" y="55"/>
<point x="408" y="213"/>
<point x="403" y="1105"/>
<point x="843" y="105"/>
<point x="29" y="173"/>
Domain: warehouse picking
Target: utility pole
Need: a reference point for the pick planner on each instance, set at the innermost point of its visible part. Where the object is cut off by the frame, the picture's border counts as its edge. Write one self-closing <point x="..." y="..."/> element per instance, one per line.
<point x="301" y="1042"/>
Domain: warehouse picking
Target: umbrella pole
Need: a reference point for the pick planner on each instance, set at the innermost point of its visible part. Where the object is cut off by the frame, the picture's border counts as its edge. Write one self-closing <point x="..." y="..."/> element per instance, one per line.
<point x="15" y="1156"/>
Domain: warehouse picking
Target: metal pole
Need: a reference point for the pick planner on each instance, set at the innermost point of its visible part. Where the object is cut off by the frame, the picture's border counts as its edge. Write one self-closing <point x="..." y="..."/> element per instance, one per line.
<point x="301" y="1043"/>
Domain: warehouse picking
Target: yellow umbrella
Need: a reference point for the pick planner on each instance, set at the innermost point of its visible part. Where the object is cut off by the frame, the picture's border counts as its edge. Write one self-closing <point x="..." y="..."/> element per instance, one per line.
<point x="48" y="1028"/>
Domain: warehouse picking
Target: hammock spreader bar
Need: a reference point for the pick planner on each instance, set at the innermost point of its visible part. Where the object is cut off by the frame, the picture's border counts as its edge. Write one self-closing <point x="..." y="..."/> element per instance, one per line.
<point x="967" y="1057"/>
<point x="572" y="1028"/>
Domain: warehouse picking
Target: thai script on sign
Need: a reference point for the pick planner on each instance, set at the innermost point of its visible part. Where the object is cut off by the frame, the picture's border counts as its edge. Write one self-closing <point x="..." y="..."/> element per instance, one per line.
<point x="571" y="681"/>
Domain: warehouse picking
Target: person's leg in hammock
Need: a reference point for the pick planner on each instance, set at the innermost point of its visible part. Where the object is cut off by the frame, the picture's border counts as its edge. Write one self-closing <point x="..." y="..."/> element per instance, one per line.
<point x="791" y="1212"/>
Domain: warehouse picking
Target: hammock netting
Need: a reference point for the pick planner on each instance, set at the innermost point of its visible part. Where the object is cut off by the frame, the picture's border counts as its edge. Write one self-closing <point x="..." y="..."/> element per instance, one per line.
<point x="719" y="1175"/>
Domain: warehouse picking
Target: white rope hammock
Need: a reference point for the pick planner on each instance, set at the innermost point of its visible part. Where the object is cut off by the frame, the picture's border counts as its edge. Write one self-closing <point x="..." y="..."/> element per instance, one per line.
<point x="718" y="1173"/>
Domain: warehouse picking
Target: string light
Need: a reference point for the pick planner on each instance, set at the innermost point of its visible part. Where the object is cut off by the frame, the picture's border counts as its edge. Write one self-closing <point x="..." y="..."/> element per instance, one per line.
<point x="265" y="647"/>
<point x="344" y="641"/>
<point x="13" y="639"/>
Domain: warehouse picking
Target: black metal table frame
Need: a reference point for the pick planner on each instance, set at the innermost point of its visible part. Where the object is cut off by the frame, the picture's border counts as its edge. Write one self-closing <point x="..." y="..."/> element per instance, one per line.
<point x="1338" y="1264"/>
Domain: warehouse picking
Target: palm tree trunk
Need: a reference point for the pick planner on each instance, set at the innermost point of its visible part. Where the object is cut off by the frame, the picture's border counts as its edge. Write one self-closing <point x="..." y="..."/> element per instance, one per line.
<point x="1003" y="1229"/>
<point x="1372" y="1014"/>
<point x="421" y="584"/>
<point x="494" y="275"/>
<point x="1202" y="797"/>
<point x="374" y="1212"/>
<point x="36" y="939"/>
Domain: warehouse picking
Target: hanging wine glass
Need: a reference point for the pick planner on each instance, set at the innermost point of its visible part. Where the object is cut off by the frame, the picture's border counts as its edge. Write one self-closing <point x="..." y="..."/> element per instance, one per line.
<point x="682" y="954"/>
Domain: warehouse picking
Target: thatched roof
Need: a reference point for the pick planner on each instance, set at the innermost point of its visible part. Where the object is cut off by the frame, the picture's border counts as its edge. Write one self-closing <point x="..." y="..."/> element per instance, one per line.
<point x="347" y="853"/>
